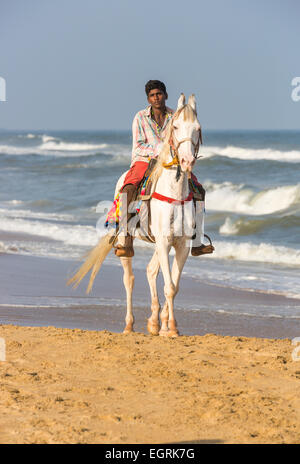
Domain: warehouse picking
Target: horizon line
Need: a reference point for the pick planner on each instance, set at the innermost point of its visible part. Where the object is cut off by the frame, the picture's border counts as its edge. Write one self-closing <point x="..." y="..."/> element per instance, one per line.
<point x="129" y="130"/>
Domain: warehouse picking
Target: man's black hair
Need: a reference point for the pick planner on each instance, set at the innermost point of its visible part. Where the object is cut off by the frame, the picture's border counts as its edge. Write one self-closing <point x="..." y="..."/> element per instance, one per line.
<point x="151" y="85"/>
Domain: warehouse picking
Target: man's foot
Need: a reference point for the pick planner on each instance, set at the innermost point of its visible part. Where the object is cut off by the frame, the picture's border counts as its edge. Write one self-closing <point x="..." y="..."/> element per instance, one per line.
<point x="124" y="252"/>
<point x="202" y="250"/>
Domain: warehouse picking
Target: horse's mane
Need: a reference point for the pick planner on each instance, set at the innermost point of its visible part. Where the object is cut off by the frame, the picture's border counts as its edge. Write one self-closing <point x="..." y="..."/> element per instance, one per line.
<point x="188" y="115"/>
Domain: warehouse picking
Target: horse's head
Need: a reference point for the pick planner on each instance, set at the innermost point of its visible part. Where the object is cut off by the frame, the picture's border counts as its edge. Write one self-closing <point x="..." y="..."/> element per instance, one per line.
<point x="185" y="135"/>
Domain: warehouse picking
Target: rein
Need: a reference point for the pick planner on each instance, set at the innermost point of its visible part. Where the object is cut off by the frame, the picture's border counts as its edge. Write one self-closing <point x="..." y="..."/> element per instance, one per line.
<point x="175" y="161"/>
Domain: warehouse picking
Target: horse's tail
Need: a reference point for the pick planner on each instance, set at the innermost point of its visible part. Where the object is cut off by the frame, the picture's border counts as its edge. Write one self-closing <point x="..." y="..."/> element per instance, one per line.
<point x="94" y="259"/>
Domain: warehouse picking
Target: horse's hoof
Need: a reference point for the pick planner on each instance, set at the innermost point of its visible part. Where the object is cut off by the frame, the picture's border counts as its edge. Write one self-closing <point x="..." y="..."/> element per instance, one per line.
<point x="173" y="333"/>
<point x="128" y="330"/>
<point x="163" y="332"/>
<point x="153" y="329"/>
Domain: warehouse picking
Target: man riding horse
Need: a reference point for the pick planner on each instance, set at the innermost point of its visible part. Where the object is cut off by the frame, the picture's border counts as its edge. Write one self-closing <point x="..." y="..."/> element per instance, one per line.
<point x="148" y="132"/>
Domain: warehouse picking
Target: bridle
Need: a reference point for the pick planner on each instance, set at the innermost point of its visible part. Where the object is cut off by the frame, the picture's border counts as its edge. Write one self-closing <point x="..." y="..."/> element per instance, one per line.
<point x="175" y="146"/>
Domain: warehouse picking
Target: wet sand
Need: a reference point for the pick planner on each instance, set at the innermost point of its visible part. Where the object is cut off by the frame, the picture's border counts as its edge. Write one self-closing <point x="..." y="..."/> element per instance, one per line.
<point x="33" y="292"/>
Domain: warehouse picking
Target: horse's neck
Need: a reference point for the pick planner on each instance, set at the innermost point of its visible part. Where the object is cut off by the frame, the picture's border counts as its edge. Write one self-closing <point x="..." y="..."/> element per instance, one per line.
<point x="168" y="185"/>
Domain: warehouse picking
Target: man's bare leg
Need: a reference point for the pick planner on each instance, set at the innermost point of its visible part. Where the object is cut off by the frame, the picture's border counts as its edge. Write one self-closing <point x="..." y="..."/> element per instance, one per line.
<point x="125" y="247"/>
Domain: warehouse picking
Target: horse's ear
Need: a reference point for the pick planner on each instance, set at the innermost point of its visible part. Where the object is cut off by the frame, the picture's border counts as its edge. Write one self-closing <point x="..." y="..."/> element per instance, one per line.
<point x="192" y="102"/>
<point x="181" y="101"/>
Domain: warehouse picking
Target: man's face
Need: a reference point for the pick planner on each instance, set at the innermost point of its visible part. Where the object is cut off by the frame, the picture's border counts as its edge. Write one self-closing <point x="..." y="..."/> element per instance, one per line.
<point x="157" y="99"/>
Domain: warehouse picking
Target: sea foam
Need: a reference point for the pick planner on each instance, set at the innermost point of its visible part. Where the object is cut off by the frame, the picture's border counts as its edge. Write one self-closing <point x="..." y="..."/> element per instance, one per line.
<point x="292" y="156"/>
<point x="68" y="149"/>
<point x="67" y="146"/>
<point x="263" y="252"/>
<point x="240" y="199"/>
<point x="83" y="235"/>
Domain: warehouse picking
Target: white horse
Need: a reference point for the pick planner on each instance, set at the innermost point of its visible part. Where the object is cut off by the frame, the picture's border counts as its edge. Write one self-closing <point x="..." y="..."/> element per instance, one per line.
<point x="184" y="136"/>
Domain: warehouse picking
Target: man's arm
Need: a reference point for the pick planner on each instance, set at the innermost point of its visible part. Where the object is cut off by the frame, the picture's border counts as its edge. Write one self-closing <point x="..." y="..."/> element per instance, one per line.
<point x="140" y="147"/>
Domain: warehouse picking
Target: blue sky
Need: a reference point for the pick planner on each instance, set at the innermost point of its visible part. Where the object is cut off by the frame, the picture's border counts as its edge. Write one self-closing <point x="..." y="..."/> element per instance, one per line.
<point x="71" y="64"/>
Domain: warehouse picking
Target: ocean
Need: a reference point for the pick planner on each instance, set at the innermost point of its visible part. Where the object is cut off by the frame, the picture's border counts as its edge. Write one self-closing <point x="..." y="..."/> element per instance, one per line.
<point x="52" y="181"/>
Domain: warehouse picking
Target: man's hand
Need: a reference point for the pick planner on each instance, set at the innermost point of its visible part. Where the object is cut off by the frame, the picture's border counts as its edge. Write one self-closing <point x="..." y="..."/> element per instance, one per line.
<point x="158" y="149"/>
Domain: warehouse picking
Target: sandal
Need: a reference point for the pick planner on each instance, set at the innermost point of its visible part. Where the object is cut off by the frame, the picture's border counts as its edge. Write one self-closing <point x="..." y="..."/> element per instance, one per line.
<point x="203" y="249"/>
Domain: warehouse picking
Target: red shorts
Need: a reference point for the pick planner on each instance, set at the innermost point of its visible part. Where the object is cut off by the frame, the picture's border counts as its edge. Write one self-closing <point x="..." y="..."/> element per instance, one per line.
<point x="136" y="173"/>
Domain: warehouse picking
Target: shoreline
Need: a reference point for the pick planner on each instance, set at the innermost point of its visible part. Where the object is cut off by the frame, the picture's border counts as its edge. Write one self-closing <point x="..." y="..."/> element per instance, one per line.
<point x="34" y="292"/>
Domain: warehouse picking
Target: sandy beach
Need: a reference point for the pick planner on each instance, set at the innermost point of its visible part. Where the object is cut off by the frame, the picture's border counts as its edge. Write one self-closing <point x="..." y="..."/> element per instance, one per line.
<point x="76" y="386"/>
<point x="71" y="376"/>
<point x="83" y="118"/>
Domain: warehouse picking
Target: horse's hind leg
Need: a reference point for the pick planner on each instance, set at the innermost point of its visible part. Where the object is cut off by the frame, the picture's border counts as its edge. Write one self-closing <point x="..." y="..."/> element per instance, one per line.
<point x="152" y="272"/>
<point x="128" y="280"/>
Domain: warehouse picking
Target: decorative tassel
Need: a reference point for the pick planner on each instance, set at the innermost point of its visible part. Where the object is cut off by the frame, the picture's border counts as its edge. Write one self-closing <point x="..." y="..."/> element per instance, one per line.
<point x="178" y="173"/>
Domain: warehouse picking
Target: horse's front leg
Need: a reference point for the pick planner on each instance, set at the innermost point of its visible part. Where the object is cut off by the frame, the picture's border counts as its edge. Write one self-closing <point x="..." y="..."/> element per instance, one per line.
<point x="168" y="323"/>
<point x="182" y="251"/>
<point x="164" y="317"/>
<point x="152" y="272"/>
<point x="128" y="280"/>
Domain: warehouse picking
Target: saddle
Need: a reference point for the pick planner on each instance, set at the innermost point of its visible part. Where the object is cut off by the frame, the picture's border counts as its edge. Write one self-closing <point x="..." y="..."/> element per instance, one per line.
<point x="144" y="189"/>
<point x="143" y="198"/>
<point x="143" y="207"/>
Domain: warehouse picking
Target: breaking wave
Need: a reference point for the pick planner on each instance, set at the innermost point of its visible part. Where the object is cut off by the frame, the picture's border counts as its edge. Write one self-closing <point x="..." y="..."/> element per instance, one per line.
<point x="68" y="149"/>
<point x="264" y="253"/>
<point x="240" y="199"/>
<point x="246" y="226"/>
<point x="250" y="154"/>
